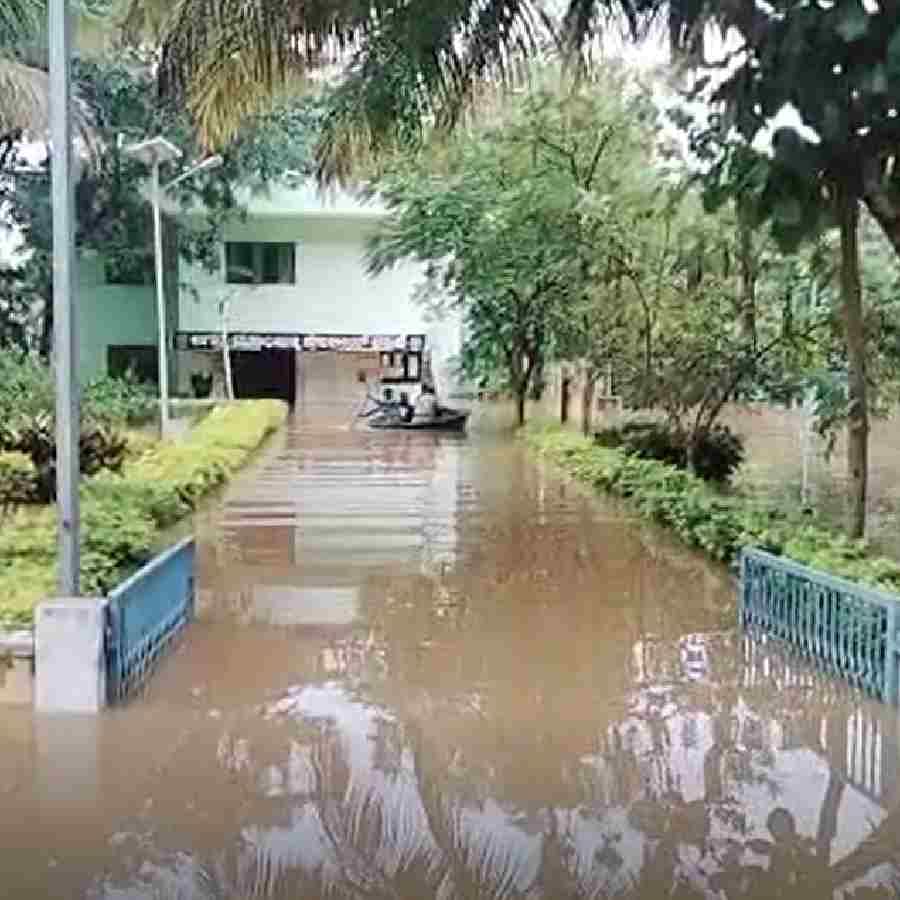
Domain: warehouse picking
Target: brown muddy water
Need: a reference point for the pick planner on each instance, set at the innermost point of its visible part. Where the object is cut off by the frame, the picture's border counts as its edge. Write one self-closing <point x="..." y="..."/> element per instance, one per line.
<point x="774" y="469"/>
<point x="425" y="667"/>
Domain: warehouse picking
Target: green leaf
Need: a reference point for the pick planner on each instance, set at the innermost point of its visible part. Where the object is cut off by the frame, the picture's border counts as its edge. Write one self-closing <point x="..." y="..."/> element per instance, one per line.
<point x="893" y="53"/>
<point x="852" y="21"/>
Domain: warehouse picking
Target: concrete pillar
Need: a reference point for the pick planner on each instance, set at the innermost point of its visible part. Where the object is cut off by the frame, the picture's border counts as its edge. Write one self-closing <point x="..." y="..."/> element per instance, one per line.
<point x="70" y="659"/>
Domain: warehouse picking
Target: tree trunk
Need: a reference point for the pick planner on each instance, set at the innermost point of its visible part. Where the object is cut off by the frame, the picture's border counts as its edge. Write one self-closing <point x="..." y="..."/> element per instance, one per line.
<point x="587" y="401"/>
<point x="855" y="337"/>
<point x="748" y="284"/>
<point x="45" y="344"/>
<point x="565" y="392"/>
<point x="521" y="394"/>
<point x="690" y="451"/>
<point x="885" y="209"/>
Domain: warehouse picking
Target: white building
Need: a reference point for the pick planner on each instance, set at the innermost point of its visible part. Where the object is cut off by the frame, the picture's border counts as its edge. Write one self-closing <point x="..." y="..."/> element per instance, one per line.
<point x="303" y="316"/>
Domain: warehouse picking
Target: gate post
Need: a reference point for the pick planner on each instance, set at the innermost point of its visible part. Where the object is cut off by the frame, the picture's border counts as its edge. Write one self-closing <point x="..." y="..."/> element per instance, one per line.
<point x="744" y="591"/>
<point x="70" y="656"/>
<point x="891" y="657"/>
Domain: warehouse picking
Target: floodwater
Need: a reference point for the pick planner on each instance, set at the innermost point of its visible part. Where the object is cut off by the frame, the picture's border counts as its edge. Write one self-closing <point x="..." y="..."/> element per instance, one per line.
<point x="424" y="667"/>
<point x="774" y="469"/>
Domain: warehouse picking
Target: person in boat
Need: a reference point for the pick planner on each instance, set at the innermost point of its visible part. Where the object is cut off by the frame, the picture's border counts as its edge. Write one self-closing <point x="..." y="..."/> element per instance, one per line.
<point x="407" y="411"/>
<point x="426" y="408"/>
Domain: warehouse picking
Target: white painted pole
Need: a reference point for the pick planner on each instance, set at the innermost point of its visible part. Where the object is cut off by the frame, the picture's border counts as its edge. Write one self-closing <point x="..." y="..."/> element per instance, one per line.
<point x="160" y="306"/>
<point x="804" y="454"/>
<point x="65" y="323"/>
<point x="226" y="351"/>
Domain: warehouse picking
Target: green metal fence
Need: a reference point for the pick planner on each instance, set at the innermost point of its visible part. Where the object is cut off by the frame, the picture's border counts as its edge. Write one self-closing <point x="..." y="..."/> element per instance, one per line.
<point x="849" y="629"/>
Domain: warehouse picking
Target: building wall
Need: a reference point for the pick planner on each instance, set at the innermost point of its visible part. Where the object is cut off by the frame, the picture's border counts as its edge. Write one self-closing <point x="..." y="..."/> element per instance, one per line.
<point x="333" y="293"/>
<point x="110" y="314"/>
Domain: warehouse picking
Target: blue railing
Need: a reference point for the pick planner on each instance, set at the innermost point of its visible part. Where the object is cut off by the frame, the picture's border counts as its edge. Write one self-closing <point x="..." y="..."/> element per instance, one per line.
<point x="849" y="629"/>
<point x="145" y="613"/>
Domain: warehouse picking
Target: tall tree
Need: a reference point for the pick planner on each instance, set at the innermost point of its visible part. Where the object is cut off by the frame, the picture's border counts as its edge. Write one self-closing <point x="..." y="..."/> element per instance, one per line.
<point x="502" y="220"/>
<point x="838" y="65"/>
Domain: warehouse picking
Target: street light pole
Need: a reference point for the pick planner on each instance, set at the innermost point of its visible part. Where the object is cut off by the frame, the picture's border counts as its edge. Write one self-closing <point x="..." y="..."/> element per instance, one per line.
<point x="65" y="324"/>
<point x="160" y="305"/>
<point x="154" y="153"/>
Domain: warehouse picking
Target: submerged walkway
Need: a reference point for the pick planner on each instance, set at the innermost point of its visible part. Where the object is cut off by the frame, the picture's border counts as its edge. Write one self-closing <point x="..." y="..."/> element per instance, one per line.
<point x="425" y="667"/>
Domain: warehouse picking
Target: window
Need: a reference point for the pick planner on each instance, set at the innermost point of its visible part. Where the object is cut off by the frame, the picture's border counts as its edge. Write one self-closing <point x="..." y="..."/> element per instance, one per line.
<point x="260" y="263"/>
<point x="139" y="361"/>
<point x="399" y="366"/>
<point x="129" y="267"/>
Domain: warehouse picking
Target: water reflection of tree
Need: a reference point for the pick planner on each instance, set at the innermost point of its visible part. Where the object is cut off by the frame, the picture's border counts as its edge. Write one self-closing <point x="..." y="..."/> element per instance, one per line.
<point x="493" y="727"/>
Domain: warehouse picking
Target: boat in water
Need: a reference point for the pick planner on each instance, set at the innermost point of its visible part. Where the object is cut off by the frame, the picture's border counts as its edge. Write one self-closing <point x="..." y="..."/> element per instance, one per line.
<point x="445" y="419"/>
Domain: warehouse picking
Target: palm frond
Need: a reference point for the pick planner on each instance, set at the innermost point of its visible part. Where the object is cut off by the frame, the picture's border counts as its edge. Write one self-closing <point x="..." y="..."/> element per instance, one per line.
<point x="410" y="66"/>
<point x="227" y="59"/>
<point x="18" y="20"/>
<point x="24" y="97"/>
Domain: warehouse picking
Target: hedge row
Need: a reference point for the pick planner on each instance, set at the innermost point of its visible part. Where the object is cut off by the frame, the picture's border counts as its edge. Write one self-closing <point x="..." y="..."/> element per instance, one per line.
<point x="718" y="523"/>
<point x="122" y="514"/>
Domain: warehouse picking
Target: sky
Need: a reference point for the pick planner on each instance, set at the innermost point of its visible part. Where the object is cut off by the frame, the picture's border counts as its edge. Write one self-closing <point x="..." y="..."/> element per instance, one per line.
<point x="653" y="53"/>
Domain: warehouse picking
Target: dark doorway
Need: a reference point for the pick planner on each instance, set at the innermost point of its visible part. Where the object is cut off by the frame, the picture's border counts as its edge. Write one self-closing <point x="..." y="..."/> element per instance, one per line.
<point x="265" y="373"/>
<point x="140" y="361"/>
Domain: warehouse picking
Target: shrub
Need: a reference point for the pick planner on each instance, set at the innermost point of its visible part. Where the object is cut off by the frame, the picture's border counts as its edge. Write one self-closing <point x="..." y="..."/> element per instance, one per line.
<point x="717" y="456"/>
<point x="18" y="480"/>
<point x="26" y="386"/>
<point x="119" y="401"/>
<point x="100" y="447"/>
<point x="22" y="584"/>
<point x="123" y="513"/>
<point x="719" y="524"/>
<point x="26" y="390"/>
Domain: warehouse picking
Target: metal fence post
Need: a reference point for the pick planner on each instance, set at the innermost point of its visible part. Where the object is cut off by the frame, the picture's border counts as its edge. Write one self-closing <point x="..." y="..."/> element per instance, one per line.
<point x="744" y="592"/>
<point x="891" y="659"/>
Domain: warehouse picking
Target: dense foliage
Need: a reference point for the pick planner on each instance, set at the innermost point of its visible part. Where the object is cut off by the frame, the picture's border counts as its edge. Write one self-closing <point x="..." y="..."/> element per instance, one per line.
<point x="123" y="513"/>
<point x="503" y="219"/>
<point x="560" y="233"/>
<point x="717" y="456"/>
<point x="18" y="480"/>
<point x="838" y="66"/>
<point x="718" y="524"/>
<point x="113" y="215"/>
<point x="27" y="421"/>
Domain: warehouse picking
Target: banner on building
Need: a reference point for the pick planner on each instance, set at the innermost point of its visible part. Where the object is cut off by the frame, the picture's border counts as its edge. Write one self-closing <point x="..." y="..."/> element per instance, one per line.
<point x="343" y="343"/>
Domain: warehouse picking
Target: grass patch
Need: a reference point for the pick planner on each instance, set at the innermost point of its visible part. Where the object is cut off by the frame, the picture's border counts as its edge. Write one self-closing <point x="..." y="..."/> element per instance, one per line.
<point x="122" y="513"/>
<point x="715" y="522"/>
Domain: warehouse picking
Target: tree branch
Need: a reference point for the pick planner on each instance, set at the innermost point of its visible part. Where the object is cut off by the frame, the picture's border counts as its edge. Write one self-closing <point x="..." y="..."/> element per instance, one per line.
<point x="602" y="143"/>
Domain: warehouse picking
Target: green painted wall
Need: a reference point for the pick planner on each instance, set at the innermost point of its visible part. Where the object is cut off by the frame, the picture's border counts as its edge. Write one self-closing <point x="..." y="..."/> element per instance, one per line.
<point x="110" y="314"/>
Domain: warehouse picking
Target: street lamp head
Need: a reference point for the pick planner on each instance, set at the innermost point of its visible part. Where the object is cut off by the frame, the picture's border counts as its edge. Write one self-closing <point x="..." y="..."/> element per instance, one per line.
<point x="155" y="151"/>
<point x="210" y="163"/>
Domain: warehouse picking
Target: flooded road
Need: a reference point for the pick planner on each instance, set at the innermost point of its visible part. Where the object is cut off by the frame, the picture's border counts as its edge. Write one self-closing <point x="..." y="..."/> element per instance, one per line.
<point x="426" y="667"/>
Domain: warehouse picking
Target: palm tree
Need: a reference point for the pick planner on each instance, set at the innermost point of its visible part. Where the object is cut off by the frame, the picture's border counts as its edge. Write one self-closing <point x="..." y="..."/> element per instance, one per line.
<point x="24" y="88"/>
<point x="408" y="65"/>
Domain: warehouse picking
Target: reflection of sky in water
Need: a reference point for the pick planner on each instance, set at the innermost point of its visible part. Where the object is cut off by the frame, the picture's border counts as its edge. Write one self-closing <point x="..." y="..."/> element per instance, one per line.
<point x="333" y="783"/>
<point x="606" y="846"/>
<point x="287" y="605"/>
<point x="404" y="816"/>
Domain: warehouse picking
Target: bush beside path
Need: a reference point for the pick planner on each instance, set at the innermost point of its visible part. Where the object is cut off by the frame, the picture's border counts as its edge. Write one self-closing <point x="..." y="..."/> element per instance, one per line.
<point x="716" y="521"/>
<point x="123" y="513"/>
